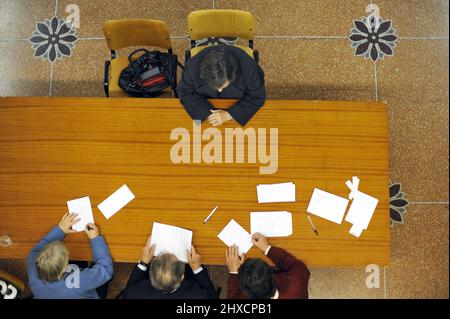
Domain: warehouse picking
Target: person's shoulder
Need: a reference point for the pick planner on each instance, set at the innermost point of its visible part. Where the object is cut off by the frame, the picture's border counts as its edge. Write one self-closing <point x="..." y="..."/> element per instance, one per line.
<point x="140" y="289"/>
<point x="191" y="289"/>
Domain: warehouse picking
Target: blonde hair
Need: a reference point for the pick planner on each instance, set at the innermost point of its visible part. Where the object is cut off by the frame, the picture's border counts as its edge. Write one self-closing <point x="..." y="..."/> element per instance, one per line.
<point x="52" y="261"/>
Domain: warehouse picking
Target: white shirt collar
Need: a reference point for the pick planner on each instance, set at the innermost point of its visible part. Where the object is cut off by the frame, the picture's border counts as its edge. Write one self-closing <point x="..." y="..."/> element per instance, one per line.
<point x="276" y="296"/>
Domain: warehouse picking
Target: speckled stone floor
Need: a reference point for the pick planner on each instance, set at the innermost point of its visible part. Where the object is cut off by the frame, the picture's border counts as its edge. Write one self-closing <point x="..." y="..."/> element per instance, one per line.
<point x="306" y="52"/>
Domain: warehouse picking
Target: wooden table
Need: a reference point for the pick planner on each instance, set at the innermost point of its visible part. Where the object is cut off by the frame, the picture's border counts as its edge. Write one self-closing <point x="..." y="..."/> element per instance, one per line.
<point x="56" y="149"/>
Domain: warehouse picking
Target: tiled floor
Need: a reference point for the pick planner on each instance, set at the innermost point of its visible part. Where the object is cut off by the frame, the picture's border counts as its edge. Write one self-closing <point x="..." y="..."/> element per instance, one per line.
<point x="306" y="54"/>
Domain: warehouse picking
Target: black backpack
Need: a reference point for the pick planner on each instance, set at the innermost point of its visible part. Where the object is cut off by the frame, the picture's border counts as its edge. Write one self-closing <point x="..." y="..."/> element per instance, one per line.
<point x="150" y="74"/>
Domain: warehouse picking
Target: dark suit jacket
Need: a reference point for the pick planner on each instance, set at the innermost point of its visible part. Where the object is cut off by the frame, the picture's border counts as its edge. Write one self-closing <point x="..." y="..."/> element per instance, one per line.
<point x="248" y="87"/>
<point x="291" y="281"/>
<point x="140" y="287"/>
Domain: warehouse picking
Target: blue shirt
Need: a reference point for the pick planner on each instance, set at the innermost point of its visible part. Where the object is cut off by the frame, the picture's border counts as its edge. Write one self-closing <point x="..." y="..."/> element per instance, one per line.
<point x="90" y="278"/>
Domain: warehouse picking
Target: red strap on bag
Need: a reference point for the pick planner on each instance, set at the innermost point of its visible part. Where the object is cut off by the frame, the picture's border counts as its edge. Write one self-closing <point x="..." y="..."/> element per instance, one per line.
<point x="154" y="80"/>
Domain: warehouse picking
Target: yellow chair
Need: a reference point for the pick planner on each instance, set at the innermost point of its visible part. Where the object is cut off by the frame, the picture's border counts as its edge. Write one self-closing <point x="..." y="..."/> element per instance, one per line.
<point x="216" y="23"/>
<point x="121" y="34"/>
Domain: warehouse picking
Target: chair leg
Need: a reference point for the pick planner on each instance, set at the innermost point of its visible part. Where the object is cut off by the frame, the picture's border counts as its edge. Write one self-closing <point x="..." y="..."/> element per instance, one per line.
<point x="256" y="56"/>
<point x="219" y="290"/>
<point x="174" y="88"/>
<point x="106" y="78"/>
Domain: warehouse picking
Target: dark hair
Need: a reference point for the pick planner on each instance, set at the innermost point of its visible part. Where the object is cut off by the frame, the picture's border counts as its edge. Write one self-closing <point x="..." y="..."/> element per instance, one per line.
<point x="166" y="272"/>
<point x="257" y="279"/>
<point x="217" y="67"/>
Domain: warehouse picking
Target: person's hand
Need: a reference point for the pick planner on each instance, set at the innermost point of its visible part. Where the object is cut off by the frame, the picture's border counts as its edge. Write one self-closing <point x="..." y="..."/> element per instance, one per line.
<point x="234" y="261"/>
<point x="260" y="241"/>
<point x="147" y="252"/>
<point x="218" y="117"/>
<point x="67" y="221"/>
<point x="194" y="259"/>
<point x="92" y="231"/>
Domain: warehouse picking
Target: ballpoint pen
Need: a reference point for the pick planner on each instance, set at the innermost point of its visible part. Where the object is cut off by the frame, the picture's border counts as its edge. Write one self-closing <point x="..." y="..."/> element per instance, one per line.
<point x="210" y="214"/>
<point x="312" y="225"/>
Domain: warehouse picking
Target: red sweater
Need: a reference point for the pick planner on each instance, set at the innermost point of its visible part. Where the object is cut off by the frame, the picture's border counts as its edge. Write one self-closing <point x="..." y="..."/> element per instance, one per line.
<point x="291" y="281"/>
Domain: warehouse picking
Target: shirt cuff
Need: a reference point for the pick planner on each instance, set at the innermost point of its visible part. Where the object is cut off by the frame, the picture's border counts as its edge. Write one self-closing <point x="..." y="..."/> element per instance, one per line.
<point x="267" y="250"/>
<point x="197" y="270"/>
<point x="233" y="272"/>
<point x="142" y="267"/>
<point x="99" y="237"/>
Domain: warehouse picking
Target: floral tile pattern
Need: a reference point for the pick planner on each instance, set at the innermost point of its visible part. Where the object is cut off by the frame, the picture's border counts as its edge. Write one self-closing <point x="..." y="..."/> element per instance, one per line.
<point x="373" y="37"/>
<point x="398" y="203"/>
<point x="53" y="39"/>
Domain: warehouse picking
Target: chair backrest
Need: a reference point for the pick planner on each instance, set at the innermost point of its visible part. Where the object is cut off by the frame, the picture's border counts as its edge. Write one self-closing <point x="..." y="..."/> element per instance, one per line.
<point x="14" y="280"/>
<point x="136" y="32"/>
<point x="220" y="23"/>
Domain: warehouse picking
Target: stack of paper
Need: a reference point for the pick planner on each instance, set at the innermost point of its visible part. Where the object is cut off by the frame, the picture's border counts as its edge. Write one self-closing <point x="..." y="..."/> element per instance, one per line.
<point x="116" y="201"/>
<point x="276" y="193"/>
<point x="360" y="212"/>
<point x="327" y="205"/>
<point x="171" y="239"/>
<point x="271" y="224"/>
<point x="82" y="207"/>
<point x="234" y="234"/>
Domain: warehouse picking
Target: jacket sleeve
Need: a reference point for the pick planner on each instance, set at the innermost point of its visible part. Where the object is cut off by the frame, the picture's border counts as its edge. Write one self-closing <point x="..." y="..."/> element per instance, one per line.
<point x="137" y="275"/>
<point x="289" y="264"/>
<point x="203" y="280"/>
<point x="195" y="104"/>
<point x="254" y="97"/>
<point x="55" y="234"/>
<point x="102" y="270"/>
<point x="234" y="289"/>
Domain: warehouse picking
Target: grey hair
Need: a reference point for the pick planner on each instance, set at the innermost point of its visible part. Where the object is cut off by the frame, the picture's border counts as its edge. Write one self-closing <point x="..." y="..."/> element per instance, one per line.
<point x="166" y="272"/>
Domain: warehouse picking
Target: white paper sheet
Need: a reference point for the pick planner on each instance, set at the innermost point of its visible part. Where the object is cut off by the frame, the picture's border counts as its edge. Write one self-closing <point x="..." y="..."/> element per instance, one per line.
<point x="327" y="205"/>
<point x="234" y="234"/>
<point x="116" y="201"/>
<point x="361" y="212"/>
<point x="276" y="193"/>
<point x="82" y="207"/>
<point x="271" y="224"/>
<point x="171" y="239"/>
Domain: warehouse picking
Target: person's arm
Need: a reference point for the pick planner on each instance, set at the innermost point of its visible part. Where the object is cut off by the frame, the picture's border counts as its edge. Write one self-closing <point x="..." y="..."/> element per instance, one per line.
<point x="201" y="276"/>
<point x="234" y="262"/>
<point x="195" y="104"/>
<point x="140" y="272"/>
<point x="102" y="269"/>
<point x="254" y="97"/>
<point x="288" y="263"/>
<point x="234" y="289"/>
<point x="204" y="281"/>
<point x="282" y="259"/>
<point x="57" y="233"/>
<point x="137" y="275"/>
